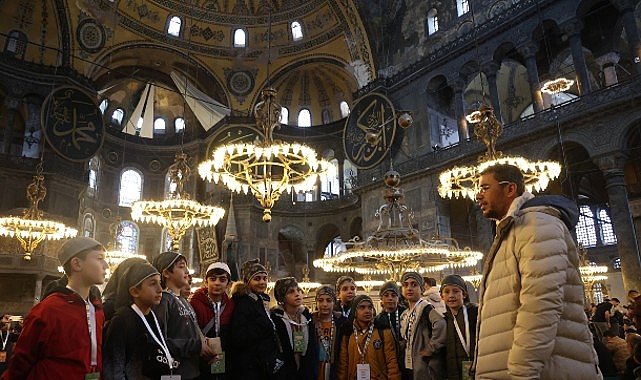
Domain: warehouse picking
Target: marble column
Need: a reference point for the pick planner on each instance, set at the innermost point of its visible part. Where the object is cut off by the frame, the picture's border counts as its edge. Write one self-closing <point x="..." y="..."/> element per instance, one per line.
<point x="608" y="63"/>
<point x="491" y="71"/>
<point x="572" y="29"/>
<point x="459" y="110"/>
<point x="627" y="243"/>
<point x="528" y="51"/>
<point x="626" y="7"/>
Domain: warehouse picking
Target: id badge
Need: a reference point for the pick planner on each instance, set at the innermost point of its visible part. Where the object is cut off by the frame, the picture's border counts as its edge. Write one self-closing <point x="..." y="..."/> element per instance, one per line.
<point x="299" y="341"/>
<point x="408" y="359"/>
<point x="215" y="345"/>
<point x="170" y="377"/>
<point x="218" y="365"/>
<point x="466" y="365"/>
<point x="3" y="356"/>
<point x="362" y="372"/>
<point x="92" y="376"/>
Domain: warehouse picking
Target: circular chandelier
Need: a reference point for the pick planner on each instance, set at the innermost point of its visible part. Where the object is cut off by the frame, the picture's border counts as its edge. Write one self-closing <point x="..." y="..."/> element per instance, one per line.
<point x="178" y="212"/>
<point x="265" y="168"/>
<point x="557" y="86"/>
<point x="396" y="246"/>
<point x="474" y="278"/>
<point x="462" y="181"/>
<point x="31" y="229"/>
<point x="590" y="272"/>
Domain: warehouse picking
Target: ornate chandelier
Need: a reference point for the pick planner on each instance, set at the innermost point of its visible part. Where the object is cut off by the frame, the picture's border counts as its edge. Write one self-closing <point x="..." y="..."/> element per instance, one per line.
<point x="265" y="168"/>
<point x="590" y="272"/>
<point x="462" y="181"/>
<point x="557" y="86"/>
<point x="178" y="212"/>
<point x="474" y="278"/>
<point x="30" y="229"/>
<point x="396" y="246"/>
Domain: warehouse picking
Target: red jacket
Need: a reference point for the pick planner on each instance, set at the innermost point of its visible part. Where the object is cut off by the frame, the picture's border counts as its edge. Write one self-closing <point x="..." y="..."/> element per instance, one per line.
<point x="54" y="343"/>
<point x="201" y="304"/>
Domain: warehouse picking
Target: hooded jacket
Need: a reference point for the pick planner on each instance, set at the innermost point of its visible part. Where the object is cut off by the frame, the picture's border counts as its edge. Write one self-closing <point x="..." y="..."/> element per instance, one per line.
<point x="255" y="345"/>
<point x="531" y="320"/>
<point x="53" y="344"/>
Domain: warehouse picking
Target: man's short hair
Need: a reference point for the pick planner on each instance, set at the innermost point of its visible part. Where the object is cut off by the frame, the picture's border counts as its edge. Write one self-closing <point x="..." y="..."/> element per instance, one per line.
<point x="616" y="300"/>
<point x="509" y="173"/>
<point x="609" y="334"/>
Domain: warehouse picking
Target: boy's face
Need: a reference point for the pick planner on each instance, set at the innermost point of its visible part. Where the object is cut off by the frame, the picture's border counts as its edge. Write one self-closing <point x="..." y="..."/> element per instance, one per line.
<point x="325" y="304"/>
<point x="294" y="297"/>
<point x="389" y="300"/>
<point x="347" y="292"/>
<point x="149" y="292"/>
<point x="453" y="296"/>
<point x="364" y="312"/>
<point x="179" y="275"/>
<point x="411" y="290"/>
<point x="92" y="268"/>
<point x="217" y="284"/>
<point x="258" y="283"/>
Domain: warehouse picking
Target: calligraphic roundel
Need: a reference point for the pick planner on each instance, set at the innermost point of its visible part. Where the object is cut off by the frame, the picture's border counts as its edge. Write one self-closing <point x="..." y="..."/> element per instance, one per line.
<point x="369" y="130"/>
<point x="72" y="124"/>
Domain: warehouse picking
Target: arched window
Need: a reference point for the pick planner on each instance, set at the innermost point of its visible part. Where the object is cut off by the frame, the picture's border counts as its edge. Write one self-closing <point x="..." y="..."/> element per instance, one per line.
<point x="344" y="109"/>
<point x="170" y="186"/>
<point x="174" y="26"/>
<point x="462" y="7"/>
<point x="88" y="225"/>
<point x="103" y="105"/>
<point x="349" y="174"/>
<point x="240" y="38"/>
<point x="605" y="226"/>
<point x="127" y="237"/>
<point x="16" y="44"/>
<point x="179" y="125"/>
<point x="334" y="247"/>
<point x="585" y="232"/>
<point x="297" y="31"/>
<point x="330" y="186"/>
<point x="159" y="126"/>
<point x="595" y="227"/>
<point x="284" y="115"/>
<point x="117" y="116"/>
<point x="94" y="167"/>
<point x="304" y="118"/>
<point x="326" y="116"/>
<point x="432" y="21"/>
<point x="130" y="187"/>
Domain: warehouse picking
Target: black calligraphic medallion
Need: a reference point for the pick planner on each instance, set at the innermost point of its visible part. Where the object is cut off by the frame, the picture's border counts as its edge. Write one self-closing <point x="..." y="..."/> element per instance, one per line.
<point x="369" y="130"/>
<point x="72" y="124"/>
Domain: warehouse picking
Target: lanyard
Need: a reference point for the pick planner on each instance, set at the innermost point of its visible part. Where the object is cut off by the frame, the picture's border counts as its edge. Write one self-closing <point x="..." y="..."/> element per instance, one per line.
<point x="218" y="308"/>
<point x="410" y="322"/>
<point x="91" y="326"/>
<point x="396" y="326"/>
<point x="161" y="342"/>
<point x="6" y="339"/>
<point x="464" y="342"/>
<point x="363" y="352"/>
<point x="326" y="343"/>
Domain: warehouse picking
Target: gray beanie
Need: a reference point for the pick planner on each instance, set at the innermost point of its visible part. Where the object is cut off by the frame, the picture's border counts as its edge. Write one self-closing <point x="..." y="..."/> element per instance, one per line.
<point x="134" y="274"/>
<point x="357" y="301"/>
<point x="416" y="276"/>
<point x="389" y="285"/>
<point x="343" y="279"/>
<point x="72" y="247"/>
<point x="166" y="259"/>
<point x="282" y="286"/>
<point x="456" y="280"/>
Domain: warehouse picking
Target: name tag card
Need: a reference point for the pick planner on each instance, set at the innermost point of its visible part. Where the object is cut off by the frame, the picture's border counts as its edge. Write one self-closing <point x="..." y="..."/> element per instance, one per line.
<point x="362" y="372"/>
<point x="218" y="365"/>
<point x="92" y="376"/>
<point x="299" y="341"/>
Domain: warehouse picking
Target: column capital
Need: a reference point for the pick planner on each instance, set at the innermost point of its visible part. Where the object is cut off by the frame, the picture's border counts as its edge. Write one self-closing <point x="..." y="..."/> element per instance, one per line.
<point x="12" y="103"/>
<point x="528" y="49"/>
<point x="572" y="27"/>
<point x="612" y="163"/>
<point x="491" y="68"/>
<point x="611" y="58"/>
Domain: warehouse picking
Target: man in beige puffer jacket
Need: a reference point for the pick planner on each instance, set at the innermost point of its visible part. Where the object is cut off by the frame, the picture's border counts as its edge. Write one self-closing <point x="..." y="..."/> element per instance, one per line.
<point x="531" y="322"/>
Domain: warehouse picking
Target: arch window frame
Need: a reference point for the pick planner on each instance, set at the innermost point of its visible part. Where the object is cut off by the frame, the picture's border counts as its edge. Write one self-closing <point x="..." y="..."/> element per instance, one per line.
<point x="117" y="116"/>
<point x="238" y="40"/>
<point x="104" y="105"/>
<point x="174" y="26"/>
<point x="462" y="7"/>
<point x="128" y="236"/>
<point x="179" y="125"/>
<point x="432" y="21"/>
<point x="132" y="190"/>
<point x="345" y="110"/>
<point x="297" y="30"/>
<point x="595" y="227"/>
<point x="160" y="126"/>
<point x="284" y="115"/>
<point x="16" y="44"/>
<point x="304" y="119"/>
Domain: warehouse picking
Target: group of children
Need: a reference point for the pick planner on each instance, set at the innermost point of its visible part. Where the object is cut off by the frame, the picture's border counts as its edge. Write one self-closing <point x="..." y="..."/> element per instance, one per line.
<point x="146" y="330"/>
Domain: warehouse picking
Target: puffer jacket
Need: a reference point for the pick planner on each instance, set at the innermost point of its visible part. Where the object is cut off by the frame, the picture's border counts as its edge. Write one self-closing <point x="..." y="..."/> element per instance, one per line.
<point x="531" y="320"/>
